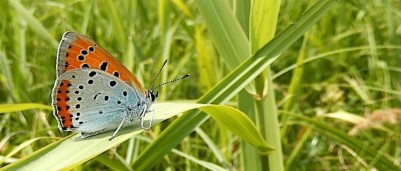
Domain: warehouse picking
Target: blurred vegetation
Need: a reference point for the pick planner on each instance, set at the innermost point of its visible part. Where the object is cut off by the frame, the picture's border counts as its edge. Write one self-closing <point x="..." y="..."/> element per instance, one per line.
<point x="336" y="77"/>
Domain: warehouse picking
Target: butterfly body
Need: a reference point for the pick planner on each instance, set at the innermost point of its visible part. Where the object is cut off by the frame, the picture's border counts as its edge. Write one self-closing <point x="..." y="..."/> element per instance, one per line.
<point x="93" y="93"/>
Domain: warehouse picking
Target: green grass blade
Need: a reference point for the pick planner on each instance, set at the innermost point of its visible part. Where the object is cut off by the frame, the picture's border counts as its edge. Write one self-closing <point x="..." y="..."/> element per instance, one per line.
<point x="205" y="60"/>
<point x="20" y="147"/>
<point x="117" y="163"/>
<point x="213" y="147"/>
<point x="231" y="85"/>
<point x="116" y="18"/>
<point x="296" y="30"/>
<point x="207" y="165"/>
<point x="73" y="150"/>
<point x="7" y="75"/>
<point x="6" y="108"/>
<point x="294" y="89"/>
<point x="34" y="23"/>
<point x="239" y="124"/>
<point x="269" y="125"/>
<point x="263" y="25"/>
<point x="242" y="8"/>
<point x="250" y="156"/>
<point x="226" y="32"/>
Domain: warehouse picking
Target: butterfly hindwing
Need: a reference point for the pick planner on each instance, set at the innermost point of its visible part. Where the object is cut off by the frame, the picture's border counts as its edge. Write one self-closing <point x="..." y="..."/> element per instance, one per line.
<point x="78" y="51"/>
<point x="91" y="100"/>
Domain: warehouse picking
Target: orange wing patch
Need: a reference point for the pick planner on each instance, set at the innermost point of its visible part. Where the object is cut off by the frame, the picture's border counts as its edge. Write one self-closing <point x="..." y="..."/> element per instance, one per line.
<point x="62" y="113"/>
<point x="78" y="51"/>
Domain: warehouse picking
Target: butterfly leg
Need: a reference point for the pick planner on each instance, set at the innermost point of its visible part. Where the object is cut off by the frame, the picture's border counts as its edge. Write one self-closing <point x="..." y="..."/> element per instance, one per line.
<point x="118" y="129"/>
<point x="142" y="116"/>
<point x="150" y="122"/>
<point x="151" y="119"/>
<point x="142" y="119"/>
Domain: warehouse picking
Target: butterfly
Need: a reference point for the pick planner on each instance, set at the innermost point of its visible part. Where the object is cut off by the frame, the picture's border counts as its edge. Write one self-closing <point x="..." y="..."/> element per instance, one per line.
<point x="93" y="92"/>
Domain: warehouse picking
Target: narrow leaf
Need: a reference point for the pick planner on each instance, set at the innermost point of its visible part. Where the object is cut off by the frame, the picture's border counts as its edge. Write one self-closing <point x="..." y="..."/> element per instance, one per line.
<point x="73" y="150"/>
<point x="6" y="108"/>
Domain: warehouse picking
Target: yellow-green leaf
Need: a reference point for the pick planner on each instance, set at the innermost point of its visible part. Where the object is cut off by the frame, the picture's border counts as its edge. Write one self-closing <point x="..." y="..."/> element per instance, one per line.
<point x="6" y="108"/>
<point x="74" y="150"/>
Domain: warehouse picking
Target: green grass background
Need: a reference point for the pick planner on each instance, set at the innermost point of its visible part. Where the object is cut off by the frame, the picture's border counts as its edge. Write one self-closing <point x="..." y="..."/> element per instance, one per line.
<point x="349" y="60"/>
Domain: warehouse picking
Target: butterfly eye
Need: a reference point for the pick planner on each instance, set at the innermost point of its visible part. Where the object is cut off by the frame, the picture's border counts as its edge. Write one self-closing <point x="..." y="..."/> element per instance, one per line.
<point x="151" y="95"/>
<point x="138" y="104"/>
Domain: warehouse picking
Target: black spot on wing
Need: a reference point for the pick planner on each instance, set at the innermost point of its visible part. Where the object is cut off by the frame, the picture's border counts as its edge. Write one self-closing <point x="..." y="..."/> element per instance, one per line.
<point x="103" y="66"/>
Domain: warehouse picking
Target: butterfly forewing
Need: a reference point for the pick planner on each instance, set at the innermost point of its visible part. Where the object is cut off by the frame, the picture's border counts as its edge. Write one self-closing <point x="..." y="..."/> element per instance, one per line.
<point x="78" y="51"/>
<point x="91" y="100"/>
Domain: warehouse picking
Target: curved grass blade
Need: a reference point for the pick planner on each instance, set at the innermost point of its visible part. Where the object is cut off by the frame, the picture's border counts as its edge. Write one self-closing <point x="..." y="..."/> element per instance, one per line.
<point x="73" y="150"/>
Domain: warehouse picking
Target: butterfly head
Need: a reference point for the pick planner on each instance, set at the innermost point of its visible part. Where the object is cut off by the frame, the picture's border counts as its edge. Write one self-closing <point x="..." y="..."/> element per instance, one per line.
<point x="152" y="96"/>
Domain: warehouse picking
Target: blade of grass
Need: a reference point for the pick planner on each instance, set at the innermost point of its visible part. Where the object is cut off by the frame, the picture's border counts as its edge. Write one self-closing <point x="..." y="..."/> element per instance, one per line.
<point x="72" y="151"/>
<point x="264" y="16"/>
<point x="242" y="12"/>
<point x="116" y="19"/>
<point x="6" y="108"/>
<point x="226" y="33"/>
<point x="231" y="85"/>
<point x="207" y="165"/>
<point x="294" y="88"/>
<point x="207" y="71"/>
<point x="21" y="147"/>
<point x="7" y="78"/>
<point x="33" y="23"/>
<point x="117" y="163"/>
<point x="250" y="157"/>
<point x="213" y="147"/>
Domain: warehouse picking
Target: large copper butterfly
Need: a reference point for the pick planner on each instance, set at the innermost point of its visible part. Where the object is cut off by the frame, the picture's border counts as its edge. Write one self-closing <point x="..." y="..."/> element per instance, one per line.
<point x="93" y="92"/>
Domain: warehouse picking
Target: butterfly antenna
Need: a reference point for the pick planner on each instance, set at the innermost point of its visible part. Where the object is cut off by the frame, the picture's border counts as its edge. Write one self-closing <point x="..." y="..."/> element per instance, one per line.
<point x="180" y="78"/>
<point x="153" y="82"/>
